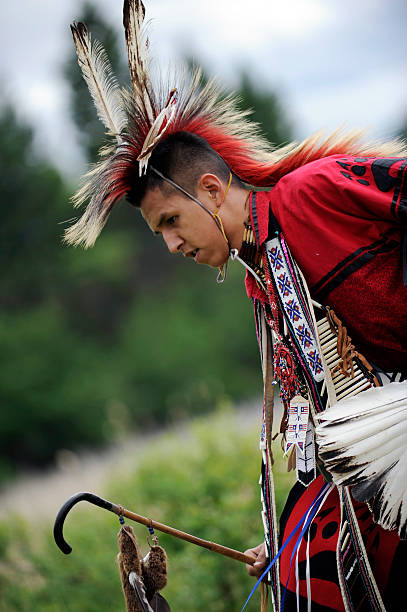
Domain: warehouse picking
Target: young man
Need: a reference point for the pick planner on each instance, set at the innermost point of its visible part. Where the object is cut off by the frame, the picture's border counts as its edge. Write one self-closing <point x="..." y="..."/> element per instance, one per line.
<point x="347" y="236"/>
<point x="329" y="227"/>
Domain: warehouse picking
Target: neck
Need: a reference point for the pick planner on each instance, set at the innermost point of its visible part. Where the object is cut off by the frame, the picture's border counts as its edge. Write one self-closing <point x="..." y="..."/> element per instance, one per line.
<point x="234" y="215"/>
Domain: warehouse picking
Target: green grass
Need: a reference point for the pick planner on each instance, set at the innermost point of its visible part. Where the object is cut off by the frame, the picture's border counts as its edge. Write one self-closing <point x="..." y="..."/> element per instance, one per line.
<point x="202" y="480"/>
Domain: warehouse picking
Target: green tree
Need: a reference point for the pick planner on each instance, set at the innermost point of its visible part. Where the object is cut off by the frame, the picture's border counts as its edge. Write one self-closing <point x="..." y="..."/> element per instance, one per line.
<point x="33" y="198"/>
<point x="120" y="325"/>
<point x="38" y="355"/>
<point x="267" y="110"/>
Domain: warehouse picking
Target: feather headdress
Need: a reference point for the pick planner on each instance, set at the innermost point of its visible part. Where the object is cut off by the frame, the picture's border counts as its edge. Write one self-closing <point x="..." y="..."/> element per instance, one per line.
<point x="139" y="119"/>
<point x="363" y="443"/>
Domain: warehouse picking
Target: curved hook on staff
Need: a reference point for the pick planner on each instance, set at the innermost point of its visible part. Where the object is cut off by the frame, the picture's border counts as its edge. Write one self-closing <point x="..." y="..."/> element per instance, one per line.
<point x="64" y="510"/>
<point x="120" y="511"/>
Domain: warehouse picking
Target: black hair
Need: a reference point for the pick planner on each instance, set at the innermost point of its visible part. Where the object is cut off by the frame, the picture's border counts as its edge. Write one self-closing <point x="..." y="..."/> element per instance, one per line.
<point x="182" y="157"/>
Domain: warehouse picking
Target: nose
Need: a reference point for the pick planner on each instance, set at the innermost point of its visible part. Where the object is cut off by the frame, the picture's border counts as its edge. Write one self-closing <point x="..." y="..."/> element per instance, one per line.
<point x="173" y="241"/>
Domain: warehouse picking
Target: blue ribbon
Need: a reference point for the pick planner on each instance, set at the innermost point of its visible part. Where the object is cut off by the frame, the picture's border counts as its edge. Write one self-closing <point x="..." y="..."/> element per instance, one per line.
<point x="312" y="514"/>
<point x="293" y="532"/>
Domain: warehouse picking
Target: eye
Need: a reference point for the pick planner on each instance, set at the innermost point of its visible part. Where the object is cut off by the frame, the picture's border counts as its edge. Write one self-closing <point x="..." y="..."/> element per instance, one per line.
<point x="171" y="220"/>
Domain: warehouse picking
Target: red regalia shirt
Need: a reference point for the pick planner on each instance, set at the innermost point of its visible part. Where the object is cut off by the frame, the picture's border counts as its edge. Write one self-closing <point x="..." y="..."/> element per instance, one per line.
<point x="344" y="219"/>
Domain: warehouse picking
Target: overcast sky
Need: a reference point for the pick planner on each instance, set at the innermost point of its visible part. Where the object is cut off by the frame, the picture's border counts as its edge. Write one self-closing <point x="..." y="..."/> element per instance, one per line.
<point x="334" y="62"/>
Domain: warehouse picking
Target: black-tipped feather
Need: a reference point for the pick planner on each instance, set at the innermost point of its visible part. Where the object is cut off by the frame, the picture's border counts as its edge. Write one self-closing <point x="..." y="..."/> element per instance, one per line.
<point x="137" y="51"/>
<point x="363" y="444"/>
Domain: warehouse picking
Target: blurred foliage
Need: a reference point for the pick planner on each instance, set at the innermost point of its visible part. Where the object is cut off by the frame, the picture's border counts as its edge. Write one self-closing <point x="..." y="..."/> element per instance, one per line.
<point x="267" y="110"/>
<point x="202" y="480"/>
<point x="95" y="343"/>
<point x="33" y="196"/>
<point x="122" y="336"/>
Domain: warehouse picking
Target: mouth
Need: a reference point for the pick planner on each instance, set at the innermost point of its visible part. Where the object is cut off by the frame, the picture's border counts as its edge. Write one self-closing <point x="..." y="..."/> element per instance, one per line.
<point x="193" y="254"/>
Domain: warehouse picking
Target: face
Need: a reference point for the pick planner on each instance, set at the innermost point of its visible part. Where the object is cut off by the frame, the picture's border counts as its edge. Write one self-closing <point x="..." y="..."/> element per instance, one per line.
<point x="185" y="227"/>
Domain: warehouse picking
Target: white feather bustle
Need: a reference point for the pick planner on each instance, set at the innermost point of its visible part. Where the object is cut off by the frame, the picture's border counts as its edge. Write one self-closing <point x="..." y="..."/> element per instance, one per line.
<point x="363" y="444"/>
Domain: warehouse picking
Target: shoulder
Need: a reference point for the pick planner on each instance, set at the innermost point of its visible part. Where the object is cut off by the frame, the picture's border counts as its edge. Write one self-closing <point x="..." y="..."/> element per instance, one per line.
<point x="313" y="186"/>
<point x="330" y="169"/>
<point x="347" y="172"/>
<point x="367" y="187"/>
<point x="350" y="184"/>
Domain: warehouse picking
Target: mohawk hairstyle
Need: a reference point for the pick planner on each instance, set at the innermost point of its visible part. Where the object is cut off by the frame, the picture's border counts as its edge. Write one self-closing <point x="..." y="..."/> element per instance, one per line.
<point x="182" y="157"/>
<point x="158" y="124"/>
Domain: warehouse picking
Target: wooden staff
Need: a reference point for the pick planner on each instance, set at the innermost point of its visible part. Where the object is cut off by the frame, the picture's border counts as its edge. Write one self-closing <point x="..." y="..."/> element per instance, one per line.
<point x="120" y="511"/>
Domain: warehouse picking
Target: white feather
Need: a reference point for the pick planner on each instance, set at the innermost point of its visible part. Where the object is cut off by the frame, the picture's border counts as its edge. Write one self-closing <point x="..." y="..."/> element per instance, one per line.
<point x="99" y="77"/>
<point x="363" y="443"/>
<point x="375" y="429"/>
<point x="157" y="131"/>
<point x="379" y="397"/>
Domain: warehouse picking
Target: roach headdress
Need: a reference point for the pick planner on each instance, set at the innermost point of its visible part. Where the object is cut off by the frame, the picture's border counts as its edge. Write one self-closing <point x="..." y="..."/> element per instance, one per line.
<point x="138" y="119"/>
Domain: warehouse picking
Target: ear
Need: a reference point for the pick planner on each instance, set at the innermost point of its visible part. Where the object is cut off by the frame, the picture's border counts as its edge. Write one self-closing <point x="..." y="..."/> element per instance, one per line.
<point x="211" y="185"/>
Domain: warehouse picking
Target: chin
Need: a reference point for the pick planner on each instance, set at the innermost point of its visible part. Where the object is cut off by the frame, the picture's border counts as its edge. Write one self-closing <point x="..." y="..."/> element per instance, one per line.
<point x="216" y="261"/>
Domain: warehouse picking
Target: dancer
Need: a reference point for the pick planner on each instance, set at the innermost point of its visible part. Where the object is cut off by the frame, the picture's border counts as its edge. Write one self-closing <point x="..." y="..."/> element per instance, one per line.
<point x="320" y="227"/>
